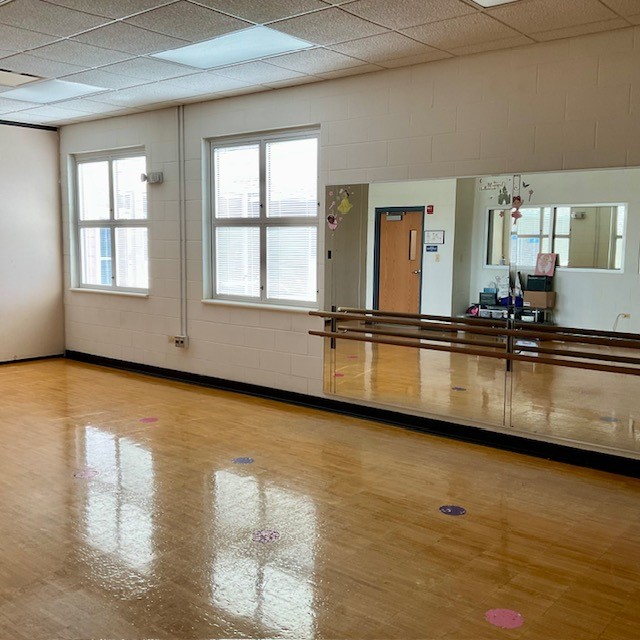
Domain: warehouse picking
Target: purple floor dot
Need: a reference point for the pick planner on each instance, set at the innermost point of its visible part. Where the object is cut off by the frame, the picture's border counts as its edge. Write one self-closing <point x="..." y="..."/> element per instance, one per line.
<point x="243" y="461"/>
<point x="266" y="535"/>
<point x="338" y="375"/>
<point x="452" y="510"/>
<point x="86" y="474"/>
<point x="504" y="618"/>
<point x="148" y="420"/>
<point x="458" y="388"/>
<point x="609" y="419"/>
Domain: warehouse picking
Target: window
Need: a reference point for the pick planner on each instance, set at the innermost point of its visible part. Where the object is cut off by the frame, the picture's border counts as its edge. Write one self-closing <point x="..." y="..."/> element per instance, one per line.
<point x="111" y="226"/>
<point x="264" y="229"/>
<point x="589" y="236"/>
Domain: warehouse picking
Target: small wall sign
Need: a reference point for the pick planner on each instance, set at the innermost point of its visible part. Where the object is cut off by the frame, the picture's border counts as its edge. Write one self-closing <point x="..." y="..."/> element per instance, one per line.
<point x="432" y="248"/>
<point x="429" y="209"/>
<point x="434" y="237"/>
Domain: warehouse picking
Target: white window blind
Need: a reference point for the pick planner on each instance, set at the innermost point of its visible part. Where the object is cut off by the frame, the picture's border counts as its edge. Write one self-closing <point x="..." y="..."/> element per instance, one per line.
<point x="265" y="219"/>
<point x="237" y="179"/>
<point x="292" y="263"/>
<point x="111" y="222"/>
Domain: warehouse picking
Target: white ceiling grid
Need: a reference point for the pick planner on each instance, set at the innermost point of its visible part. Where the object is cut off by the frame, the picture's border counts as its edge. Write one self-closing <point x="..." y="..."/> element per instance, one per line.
<point x="108" y="43"/>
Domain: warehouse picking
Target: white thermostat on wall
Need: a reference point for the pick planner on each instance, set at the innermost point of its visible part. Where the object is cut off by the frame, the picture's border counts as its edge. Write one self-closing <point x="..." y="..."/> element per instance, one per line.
<point x="434" y="237"/>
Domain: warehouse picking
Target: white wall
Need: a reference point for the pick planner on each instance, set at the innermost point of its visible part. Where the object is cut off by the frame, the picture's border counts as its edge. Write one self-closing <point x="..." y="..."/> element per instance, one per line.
<point x="31" y="311"/>
<point x="587" y="298"/>
<point x="568" y="104"/>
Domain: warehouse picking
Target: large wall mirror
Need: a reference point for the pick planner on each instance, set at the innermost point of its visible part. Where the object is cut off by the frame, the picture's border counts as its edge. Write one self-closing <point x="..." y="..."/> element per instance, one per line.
<point x="434" y="246"/>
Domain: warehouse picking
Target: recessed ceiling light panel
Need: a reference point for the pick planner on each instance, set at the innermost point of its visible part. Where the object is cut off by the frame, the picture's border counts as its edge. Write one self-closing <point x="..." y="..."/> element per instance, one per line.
<point x="51" y="91"/>
<point x="12" y="79"/>
<point x="493" y="3"/>
<point x="240" y="46"/>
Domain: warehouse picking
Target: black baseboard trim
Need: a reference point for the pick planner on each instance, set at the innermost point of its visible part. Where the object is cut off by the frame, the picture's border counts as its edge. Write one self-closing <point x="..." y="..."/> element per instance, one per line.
<point x="34" y="359"/>
<point x="475" y="435"/>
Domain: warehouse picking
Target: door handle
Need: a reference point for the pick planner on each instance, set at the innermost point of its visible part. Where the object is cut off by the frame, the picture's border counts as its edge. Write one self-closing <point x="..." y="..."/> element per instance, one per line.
<point x="417" y="271"/>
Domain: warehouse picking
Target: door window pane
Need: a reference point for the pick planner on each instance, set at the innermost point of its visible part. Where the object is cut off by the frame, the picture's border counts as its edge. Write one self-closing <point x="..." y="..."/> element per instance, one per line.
<point x="95" y="249"/>
<point x="132" y="257"/>
<point x="130" y="193"/>
<point x="93" y="191"/>
<point x="237" y="181"/>
<point x="292" y="178"/>
<point x="238" y="261"/>
<point x="291" y="263"/>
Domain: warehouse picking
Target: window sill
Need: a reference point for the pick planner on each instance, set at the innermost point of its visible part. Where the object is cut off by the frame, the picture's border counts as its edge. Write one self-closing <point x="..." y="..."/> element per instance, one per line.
<point x="128" y="294"/>
<point x="259" y="306"/>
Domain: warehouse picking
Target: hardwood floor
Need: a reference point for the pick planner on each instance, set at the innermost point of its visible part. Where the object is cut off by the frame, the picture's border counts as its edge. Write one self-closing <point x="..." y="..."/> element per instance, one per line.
<point x="156" y="538"/>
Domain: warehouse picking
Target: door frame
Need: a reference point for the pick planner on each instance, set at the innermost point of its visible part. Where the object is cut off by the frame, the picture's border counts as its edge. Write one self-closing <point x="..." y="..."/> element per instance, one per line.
<point x="379" y="211"/>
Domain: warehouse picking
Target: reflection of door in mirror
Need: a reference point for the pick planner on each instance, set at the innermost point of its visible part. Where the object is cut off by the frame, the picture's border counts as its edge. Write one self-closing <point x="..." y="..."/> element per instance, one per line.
<point x="399" y="263"/>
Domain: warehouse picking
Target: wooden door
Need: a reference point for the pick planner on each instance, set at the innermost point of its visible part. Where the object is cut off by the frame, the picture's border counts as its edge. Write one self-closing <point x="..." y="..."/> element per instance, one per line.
<point x="400" y="261"/>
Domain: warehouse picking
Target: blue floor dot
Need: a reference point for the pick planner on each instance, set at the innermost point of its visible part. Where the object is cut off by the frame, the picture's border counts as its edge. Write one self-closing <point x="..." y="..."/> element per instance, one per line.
<point x="452" y="510"/>
<point x="243" y="461"/>
<point x="458" y="388"/>
<point x="609" y="419"/>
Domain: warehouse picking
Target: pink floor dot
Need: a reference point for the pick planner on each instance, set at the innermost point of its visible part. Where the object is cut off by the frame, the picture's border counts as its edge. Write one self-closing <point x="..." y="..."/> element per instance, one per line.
<point x="86" y="474"/>
<point x="504" y="618"/>
<point x="148" y="420"/>
<point x="352" y="357"/>
<point x="338" y="375"/>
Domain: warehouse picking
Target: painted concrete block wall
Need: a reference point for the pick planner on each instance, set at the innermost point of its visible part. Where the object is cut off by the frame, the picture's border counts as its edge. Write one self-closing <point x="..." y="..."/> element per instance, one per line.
<point x="31" y="311"/>
<point x="563" y="105"/>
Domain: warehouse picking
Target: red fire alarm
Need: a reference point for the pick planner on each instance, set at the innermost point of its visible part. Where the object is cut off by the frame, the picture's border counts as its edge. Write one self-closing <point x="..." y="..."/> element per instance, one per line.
<point x="429" y="208"/>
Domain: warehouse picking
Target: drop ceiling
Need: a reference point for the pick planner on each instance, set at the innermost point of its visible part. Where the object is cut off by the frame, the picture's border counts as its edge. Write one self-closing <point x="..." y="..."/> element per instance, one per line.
<point x="110" y="44"/>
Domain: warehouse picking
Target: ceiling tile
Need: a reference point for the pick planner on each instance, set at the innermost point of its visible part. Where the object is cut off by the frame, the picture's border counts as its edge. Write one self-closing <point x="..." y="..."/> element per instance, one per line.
<point x="408" y="13"/>
<point x="100" y="78"/>
<point x="88" y="106"/>
<point x="188" y="21"/>
<point x="624" y="7"/>
<point x="265" y="10"/>
<point x="580" y="30"/>
<point x="492" y="45"/>
<point x="544" y="15"/>
<point x="71" y="52"/>
<point x="431" y="56"/>
<point x="24" y="63"/>
<point x="36" y="15"/>
<point x="144" y="95"/>
<point x="327" y="27"/>
<point x="207" y="83"/>
<point x="8" y="106"/>
<point x="52" y="111"/>
<point x="386" y="46"/>
<point x="111" y="8"/>
<point x="126" y="37"/>
<point x="14" y="39"/>
<point x="315" y="61"/>
<point x="343" y="73"/>
<point x="252" y="72"/>
<point x="459" y="32"/>
<point x="148" y="69"/>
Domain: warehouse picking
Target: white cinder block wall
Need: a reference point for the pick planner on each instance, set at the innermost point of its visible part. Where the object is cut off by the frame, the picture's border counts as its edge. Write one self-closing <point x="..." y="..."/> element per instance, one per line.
<point x="569" y="104"/>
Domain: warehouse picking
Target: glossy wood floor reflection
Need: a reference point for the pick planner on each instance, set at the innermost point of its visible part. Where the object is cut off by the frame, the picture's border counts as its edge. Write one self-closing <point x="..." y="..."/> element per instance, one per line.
<point x="160" y="543"/>
<point x="552" y="402"/>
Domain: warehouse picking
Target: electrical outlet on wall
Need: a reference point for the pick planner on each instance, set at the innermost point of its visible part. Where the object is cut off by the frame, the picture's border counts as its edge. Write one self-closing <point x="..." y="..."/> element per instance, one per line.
<point x="182" y="342"/>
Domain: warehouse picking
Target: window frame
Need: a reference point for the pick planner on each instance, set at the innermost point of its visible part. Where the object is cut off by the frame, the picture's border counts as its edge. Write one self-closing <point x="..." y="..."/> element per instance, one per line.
<point x="263" y="223"/>
<point x="112" y="223"/>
